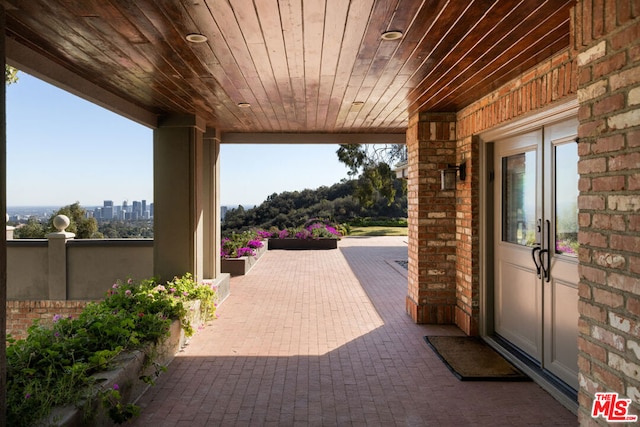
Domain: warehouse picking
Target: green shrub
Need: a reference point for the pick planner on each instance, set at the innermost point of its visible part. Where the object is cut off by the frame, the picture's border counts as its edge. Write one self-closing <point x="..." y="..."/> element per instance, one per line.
<point x="54" y="365"/>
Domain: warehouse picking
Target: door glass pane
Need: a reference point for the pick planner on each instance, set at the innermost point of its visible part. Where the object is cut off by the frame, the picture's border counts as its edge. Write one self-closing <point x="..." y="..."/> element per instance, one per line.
<point x="519" y="198"/>
<point x="566" y="198"/>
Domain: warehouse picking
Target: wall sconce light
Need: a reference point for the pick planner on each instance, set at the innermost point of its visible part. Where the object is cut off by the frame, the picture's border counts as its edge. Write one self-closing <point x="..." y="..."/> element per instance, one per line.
<point x="448" y="176"/>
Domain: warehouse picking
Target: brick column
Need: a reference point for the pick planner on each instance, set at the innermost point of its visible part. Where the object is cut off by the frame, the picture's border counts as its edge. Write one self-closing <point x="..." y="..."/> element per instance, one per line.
<point x="431" y="146"/>
<point x="606" y="37"/>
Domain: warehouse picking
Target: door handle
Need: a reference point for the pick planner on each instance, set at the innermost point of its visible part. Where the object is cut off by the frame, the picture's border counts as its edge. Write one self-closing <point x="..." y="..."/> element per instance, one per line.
<point x="546" y="259"/>
<point x="535" y="261"/>
<point x="545" y="270"/>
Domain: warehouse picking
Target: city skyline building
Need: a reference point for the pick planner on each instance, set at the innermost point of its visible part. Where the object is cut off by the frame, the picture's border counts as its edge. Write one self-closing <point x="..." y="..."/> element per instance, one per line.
<point x="126" y="212"/>
<point x="107" y="210"/>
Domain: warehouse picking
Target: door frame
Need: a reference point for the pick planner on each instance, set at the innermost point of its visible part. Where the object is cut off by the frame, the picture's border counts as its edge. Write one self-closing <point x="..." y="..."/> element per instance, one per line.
<point x="558" y="112"/>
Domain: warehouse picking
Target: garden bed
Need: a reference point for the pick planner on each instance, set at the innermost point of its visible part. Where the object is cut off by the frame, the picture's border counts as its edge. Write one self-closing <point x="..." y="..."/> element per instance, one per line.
<point x="87" y="370"/>
<point x="241" y="265"/>
<point x="303" y="244"/>
<point x="127" y="373"/>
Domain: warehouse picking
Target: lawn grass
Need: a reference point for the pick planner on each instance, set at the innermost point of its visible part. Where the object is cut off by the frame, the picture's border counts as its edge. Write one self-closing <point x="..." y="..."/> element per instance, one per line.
<point x="378" y="231"/>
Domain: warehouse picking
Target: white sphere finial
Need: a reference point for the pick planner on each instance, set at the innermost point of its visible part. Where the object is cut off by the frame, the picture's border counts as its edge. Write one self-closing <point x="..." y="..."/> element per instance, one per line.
<point x="61" y="222"/>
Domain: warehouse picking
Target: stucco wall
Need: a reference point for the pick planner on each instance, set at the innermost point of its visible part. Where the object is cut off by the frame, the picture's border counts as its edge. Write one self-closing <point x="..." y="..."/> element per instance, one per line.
<point x="27" y="270"/>
<point x="90" y="269"/>
<point x="94" y="265"/>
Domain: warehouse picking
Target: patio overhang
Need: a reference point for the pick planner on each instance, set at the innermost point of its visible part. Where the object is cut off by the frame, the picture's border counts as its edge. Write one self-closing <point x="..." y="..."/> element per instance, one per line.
<point x="271" y="69"/>
<point x="303" y="68"/>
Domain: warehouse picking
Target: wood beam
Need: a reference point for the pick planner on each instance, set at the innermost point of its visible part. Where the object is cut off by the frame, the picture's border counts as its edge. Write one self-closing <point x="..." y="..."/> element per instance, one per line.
<point x="313" y="138"/>
<point x="31" y="62"/>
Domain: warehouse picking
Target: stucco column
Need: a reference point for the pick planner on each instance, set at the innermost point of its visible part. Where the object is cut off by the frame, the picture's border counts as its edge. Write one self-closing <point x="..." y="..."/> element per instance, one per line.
<point x="178" y="197"/>
<point x="211" y="192"/>
<point x="431" y="146"/>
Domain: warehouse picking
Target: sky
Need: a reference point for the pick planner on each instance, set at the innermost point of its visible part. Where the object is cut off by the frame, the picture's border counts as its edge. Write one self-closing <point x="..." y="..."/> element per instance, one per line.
<point x="62" y="149"/>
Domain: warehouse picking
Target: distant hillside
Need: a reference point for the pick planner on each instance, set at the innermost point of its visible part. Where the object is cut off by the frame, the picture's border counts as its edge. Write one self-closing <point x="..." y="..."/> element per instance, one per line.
<point x="338" y="203"/>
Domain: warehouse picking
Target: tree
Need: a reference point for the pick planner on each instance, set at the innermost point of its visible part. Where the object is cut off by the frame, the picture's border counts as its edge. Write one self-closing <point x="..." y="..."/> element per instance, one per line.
<point x="373" y="165"/>
<point x="10" y="74"/>
<point x="338" y="203"/>
<point x="33" y="229"/>
<point x="360" y="157"/>
<point x="83" y="227"/>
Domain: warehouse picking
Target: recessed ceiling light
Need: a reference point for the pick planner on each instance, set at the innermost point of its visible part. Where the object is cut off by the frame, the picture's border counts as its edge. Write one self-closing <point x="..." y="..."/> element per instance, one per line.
<point x="391" y="35"/>
<point x="196" y="38"/>
<point x="244" y="105"/>
<point x="356" y="105"/>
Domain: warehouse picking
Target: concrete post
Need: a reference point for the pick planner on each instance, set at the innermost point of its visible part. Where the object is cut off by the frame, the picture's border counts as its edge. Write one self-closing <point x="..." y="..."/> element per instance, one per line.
<point x="58" y="258"/>
<point x="178" y="197"/>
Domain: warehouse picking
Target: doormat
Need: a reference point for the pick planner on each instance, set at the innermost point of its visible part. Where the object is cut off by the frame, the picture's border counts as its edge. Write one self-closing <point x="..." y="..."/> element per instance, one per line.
<point x="471" y="359"/>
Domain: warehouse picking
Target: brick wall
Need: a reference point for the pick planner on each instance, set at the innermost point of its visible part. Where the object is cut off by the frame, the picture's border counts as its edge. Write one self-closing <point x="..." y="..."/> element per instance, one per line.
<point x="467" y="240"/>
<point x="552" y="80"/>
<point x="607" y="35"/>
<point x="21" y="314"/>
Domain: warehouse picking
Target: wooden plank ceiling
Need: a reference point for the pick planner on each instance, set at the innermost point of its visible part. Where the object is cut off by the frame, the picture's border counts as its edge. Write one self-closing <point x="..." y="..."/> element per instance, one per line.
<point x="302" y="65"/>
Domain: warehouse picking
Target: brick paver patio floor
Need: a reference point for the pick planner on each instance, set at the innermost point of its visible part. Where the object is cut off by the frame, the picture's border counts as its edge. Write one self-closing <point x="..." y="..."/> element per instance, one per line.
<point x="321" y="338"/>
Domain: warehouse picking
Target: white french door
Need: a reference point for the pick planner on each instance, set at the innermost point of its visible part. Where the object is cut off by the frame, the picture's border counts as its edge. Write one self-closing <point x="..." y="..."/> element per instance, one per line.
<point x="535" y="246"/>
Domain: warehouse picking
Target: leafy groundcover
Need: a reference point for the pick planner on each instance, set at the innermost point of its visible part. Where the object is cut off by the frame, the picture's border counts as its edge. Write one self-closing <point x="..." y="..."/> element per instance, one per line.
<point x="56" y="364"/>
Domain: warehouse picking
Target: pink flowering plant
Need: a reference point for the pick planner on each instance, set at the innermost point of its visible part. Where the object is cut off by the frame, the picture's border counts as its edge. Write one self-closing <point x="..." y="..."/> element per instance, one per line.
<point x="312" y="229"/>
<point x="245" y="251"/>
<point x="567" y="246"/>
<point x="241" y="244"/>
<point x="56" y="364"/>
<point x="264" y="234"/>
